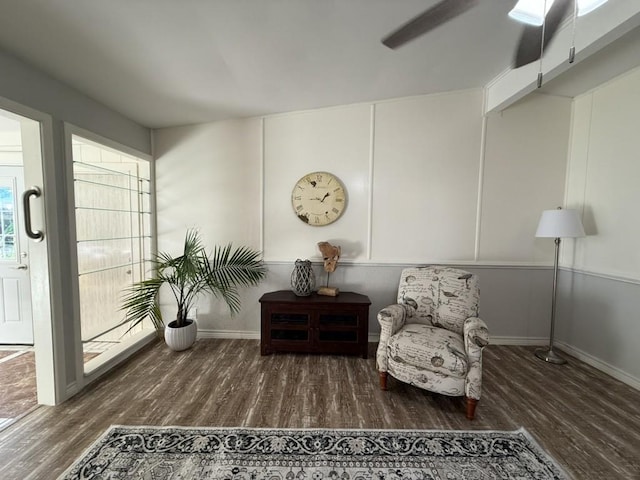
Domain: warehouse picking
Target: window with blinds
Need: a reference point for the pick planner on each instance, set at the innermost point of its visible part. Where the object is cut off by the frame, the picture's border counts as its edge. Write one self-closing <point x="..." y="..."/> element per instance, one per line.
<point x="114" y="237"/>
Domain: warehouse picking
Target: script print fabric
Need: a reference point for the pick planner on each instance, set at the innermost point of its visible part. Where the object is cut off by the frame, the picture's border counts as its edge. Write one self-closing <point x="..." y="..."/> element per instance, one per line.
<point x="432" y="338"/>
<point x="254" y="454"/>
<point x="441" y="296"/>
<point x="429" y="348"/>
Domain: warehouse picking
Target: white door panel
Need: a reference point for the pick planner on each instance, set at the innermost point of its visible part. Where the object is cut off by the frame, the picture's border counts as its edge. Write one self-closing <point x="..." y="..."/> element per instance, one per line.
<point x="16" y="323"/>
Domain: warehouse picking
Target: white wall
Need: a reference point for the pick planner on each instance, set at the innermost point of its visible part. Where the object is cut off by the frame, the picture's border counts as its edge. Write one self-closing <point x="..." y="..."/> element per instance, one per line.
<point x="426" y="167"/>
<point x="599" y="314"/>
<point x="209" y="177"/>
<point x="604" y="171"/>
<point x="413" y="169"/>
<point x="524" y="174"/>
<point x="335" y="140"/>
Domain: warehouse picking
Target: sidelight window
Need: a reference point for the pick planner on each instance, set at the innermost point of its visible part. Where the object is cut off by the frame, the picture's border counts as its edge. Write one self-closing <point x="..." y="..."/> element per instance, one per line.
<point x="114" y="238"/>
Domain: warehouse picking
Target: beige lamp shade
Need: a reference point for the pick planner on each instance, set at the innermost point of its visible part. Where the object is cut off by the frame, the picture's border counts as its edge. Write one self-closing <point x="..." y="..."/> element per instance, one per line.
<point x="560" y="223"/>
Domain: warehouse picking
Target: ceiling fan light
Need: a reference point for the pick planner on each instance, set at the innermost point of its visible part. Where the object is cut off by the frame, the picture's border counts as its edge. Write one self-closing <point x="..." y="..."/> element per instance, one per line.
<point x="587" y="6"/>
<point x="532" y="12"/>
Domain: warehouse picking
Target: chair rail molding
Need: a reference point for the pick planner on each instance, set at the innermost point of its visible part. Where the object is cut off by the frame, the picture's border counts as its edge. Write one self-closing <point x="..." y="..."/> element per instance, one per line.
<point x="600" y="273"/>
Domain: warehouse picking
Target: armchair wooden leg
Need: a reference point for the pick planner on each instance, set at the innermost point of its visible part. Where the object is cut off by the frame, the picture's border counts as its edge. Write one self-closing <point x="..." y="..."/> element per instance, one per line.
<point x="383" y="380"/>
<point x="471" y="407"/>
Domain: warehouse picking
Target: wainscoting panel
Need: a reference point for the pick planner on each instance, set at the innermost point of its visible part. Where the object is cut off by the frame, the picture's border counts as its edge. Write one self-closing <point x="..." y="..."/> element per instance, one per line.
<point x="515" y="302"/>
<point x="600" y="317"/>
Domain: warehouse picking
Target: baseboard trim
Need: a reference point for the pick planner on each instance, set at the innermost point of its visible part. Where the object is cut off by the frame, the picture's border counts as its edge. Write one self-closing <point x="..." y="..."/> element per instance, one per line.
<point x="610" y="370"/>
<point x="526" y="341"/>
<point x="372" y="338"/>
<point x="231" y="334"/>
<point x="71" y="390"/>
<point x="253" y="335"/>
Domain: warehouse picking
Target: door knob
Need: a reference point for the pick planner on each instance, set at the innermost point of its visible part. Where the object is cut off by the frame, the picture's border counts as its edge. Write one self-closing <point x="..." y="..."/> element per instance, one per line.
<point x="22" y="266"/>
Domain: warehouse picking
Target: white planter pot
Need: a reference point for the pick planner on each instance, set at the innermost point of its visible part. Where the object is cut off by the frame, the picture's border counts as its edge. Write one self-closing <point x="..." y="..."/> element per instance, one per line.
<point x="181" y="338"/>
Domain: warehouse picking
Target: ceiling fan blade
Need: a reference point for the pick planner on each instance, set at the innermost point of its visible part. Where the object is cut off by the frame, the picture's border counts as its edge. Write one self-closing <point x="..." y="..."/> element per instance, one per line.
<point x="440" y="13"/>
<point x="529" y="46"/>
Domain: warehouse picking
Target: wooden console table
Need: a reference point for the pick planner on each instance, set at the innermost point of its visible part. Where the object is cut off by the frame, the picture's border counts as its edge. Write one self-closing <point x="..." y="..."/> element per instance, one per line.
<point x="314" y="324"/>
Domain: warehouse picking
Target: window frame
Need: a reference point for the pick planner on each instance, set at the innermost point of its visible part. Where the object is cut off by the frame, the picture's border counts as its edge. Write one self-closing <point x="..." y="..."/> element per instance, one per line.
<point x="91" y="370"/>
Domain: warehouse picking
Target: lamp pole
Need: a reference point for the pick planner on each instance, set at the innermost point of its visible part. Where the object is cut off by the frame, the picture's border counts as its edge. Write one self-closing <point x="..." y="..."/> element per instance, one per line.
<point x="544" y="354"/>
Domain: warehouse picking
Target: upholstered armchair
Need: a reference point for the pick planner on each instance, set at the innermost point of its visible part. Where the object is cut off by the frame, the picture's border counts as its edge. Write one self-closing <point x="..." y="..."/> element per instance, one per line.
<point x="432" y="338"/>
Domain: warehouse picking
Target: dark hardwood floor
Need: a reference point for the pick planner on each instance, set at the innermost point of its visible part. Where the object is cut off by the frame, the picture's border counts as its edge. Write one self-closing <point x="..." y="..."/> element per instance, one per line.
<point x="18" y="394"/>
<point x="586" y="420"/>
<point x="18" y="383"/>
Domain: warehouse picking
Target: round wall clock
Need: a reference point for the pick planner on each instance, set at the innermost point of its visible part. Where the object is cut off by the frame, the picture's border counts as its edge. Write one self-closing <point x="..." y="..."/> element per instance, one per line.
<point x="318" y="198"/>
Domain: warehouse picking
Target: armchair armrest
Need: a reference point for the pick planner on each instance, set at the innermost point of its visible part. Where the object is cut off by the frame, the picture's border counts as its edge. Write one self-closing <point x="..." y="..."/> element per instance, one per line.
<point x="391" y="319"/>
<point x="476" y="337"/>
<point x="476" y="332"/>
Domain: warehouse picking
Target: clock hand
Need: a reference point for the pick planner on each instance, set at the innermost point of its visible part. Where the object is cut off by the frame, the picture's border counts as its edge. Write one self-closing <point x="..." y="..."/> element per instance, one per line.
<point x="325" y="196"/>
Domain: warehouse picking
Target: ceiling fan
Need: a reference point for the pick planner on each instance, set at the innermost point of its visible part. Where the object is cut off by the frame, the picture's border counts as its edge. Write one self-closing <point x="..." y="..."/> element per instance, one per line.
<point x="542" y="19"/>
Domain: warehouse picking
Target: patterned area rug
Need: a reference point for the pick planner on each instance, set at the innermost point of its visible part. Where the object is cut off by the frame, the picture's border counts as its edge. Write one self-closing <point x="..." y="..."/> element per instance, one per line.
<point x="262" y="454"/>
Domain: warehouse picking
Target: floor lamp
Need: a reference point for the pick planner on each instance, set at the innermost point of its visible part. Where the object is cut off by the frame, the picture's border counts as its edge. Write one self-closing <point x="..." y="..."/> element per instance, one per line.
<point x="557" y="224"/>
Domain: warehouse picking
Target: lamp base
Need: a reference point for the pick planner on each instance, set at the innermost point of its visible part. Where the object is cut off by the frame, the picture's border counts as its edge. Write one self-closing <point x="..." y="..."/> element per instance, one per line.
<point x="549" y="356"/>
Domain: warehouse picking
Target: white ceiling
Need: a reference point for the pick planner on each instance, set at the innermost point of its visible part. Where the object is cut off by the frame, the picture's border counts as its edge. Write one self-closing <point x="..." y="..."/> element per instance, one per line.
<point x="176" y="62"/>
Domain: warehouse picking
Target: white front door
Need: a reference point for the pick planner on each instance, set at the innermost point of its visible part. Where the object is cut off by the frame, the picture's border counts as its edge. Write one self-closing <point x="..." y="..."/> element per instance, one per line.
<point x="16" y="322"/>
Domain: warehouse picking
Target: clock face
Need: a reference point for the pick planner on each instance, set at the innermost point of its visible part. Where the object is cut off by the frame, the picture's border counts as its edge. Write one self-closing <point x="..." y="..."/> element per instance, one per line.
<point x="318" y="198"/>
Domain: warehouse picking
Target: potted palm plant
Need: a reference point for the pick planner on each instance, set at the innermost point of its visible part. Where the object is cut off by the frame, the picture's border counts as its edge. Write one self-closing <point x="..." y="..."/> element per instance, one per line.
<point x="188" y="275"/>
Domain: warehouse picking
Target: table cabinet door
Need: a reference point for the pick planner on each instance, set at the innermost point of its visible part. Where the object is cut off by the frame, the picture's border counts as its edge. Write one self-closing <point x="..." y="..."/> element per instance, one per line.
<point x="339" y="331"/>
<point x="290" y="329"/>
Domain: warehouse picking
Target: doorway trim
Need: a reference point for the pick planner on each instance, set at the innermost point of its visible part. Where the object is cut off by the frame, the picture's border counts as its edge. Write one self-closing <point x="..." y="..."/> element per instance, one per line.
<point x="46" y="294"/>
